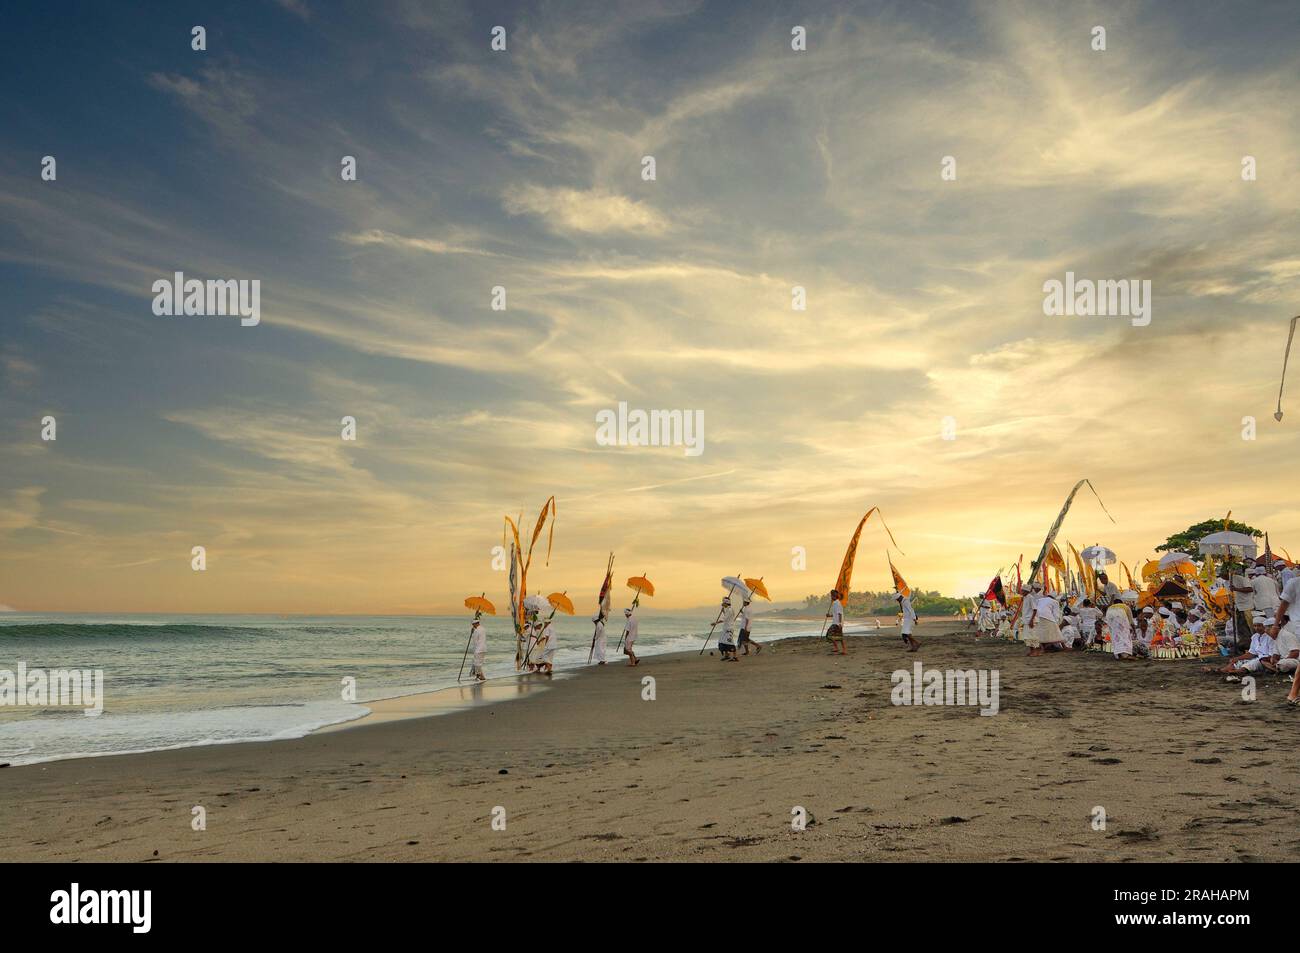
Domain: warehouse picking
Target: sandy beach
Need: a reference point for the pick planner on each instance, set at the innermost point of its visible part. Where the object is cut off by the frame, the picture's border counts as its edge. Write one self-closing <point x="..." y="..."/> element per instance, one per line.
<point x="585" y="769"/>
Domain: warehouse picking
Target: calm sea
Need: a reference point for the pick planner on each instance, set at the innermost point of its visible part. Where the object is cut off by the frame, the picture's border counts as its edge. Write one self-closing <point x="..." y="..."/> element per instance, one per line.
<point x="179" y="681"/>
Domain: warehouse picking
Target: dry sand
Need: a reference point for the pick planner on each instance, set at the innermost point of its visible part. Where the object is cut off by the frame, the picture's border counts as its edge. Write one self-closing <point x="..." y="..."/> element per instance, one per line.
<point x="711" y="769"/>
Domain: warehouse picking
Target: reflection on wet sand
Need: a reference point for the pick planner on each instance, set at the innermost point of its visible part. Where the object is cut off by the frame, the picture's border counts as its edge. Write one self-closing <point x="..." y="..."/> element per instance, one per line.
<point x="445" y="700"/>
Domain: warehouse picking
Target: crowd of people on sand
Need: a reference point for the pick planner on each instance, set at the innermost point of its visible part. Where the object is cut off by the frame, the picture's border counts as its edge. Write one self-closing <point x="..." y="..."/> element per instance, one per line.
<point x="1247" y="620"/>
<point x="1250" y="620"/>
<point x="735" y="638"/>
<point x="541" y="642"/>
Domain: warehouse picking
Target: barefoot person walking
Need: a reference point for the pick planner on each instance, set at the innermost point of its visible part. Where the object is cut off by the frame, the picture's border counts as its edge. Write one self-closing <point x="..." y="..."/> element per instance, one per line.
<point x="726" y="641"/>
<point x="1044" y="622"/>
<point x="598" y="640"/>
<point x="836" y="632"/>
<point x="629" y="638"/>
<point x="746" y="621"/>
<point x="478" y="644"/>
<point x="908" y="621"/>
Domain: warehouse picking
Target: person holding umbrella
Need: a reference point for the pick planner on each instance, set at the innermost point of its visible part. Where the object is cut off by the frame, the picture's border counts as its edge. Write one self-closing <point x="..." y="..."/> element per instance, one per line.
<point x="477" y="636"/>
<point x="727" y="640"/>
<point x="753" y="587"/>
<point x="746" y="623"/>
<point x="478" y="642"/>
<point x="629" y="636"/>
<point x="1243" y="605"/>
<point x="548" y="642"/>
<point x="643" y="587"/>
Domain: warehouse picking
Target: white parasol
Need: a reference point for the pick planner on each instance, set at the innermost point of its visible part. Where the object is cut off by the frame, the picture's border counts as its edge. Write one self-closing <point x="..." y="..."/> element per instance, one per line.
<point x="1098" y="556"/>
<point x="1228" y="543"/>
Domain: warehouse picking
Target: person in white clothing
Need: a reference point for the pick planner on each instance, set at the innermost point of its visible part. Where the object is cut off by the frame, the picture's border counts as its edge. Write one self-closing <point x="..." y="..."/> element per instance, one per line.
<point x="1143" y="630"/>
<point x="1089" y="622"/>
<point x="1266" y="592"/>
<point x="1044" y="623"/>
<point x="1288" y="617"/>
<point x="532" y="631"/>
<point x="836" y="632"/>
<point x="1109" y="591"/>
<point x="630" y="637"/>
<point x="746" y="622"/>
<point x="1069" y="631"/>
<point x="727" y="640"/>
<point x="1120" y="621"/>
<point x="1262" y="649"/>
<point x="478" y="646"/>
<point x="1290" y="596"/>
<point x="1286" y="651"/>
<point x="907" y="623"/>
<point x="598" y="639"/>
<point x="549" y="643"/>
<point x="1243" y="601"/>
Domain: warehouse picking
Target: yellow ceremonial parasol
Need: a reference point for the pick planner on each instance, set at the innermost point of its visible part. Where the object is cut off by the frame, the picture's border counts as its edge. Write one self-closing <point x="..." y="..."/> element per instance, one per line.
<point x="756" y="586"/>
<point x="560" y="601"/>
<point x="642" y="585"/>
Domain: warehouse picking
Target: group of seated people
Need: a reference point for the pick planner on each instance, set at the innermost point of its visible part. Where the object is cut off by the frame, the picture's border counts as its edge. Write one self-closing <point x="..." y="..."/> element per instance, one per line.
<point x="1264" y="596"/>
<point x="1267" y="653"/>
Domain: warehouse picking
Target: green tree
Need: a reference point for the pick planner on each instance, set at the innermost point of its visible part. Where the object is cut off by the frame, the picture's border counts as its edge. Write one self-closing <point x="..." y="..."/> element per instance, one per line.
<point x="860" y="604"/>
<point x="1185" y="542"/>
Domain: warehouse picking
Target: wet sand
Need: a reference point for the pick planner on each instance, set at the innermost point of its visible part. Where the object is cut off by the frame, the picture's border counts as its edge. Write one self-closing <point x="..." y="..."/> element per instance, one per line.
<point x="713" y="766"/>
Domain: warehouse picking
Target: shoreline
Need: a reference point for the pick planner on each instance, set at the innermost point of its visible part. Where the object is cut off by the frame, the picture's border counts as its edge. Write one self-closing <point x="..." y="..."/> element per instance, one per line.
<point x="409" y="702"/>
<point x="712" y="767"/>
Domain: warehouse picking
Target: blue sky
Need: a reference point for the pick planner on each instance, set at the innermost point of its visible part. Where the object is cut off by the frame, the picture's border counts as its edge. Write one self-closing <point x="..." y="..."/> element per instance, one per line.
<point x="522" y="169"/>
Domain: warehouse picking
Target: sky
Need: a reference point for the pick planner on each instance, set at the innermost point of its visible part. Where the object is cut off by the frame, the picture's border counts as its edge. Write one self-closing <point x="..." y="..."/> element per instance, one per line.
<point x="523" y="169"/>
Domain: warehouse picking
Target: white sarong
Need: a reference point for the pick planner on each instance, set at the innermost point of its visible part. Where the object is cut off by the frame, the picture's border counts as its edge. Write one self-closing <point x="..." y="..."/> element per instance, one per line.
<point x="1044" y="632"/>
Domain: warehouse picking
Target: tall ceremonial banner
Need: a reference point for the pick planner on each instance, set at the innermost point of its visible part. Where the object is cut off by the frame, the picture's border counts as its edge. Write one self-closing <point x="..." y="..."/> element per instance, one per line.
<point x="995" y="591"/>
<point x="547" y="507"/>
<point x="516" y="596"/>
<point x="845" y="578"/>
<point x="1087" y="578"/>
<point x="1060" y="518"/>
<point x="517" y="557"/>
<point x="899" y="584"/>
<point x="602" y="600"/>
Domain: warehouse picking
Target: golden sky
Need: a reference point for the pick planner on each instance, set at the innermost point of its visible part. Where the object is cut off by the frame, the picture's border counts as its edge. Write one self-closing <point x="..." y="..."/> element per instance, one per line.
<point x="523" y="169"/>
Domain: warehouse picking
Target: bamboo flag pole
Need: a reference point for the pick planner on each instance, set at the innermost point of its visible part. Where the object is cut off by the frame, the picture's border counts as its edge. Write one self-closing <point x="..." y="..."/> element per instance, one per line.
<point x="1277" y="415"/>
<point x="467" y="642"/>
<point x="477" y="614"/>
<point x="605" y="587"/>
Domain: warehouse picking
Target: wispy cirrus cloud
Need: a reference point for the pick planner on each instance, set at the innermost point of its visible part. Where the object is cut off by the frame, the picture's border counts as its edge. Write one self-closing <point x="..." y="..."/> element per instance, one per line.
<point x="522" y="170"/>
